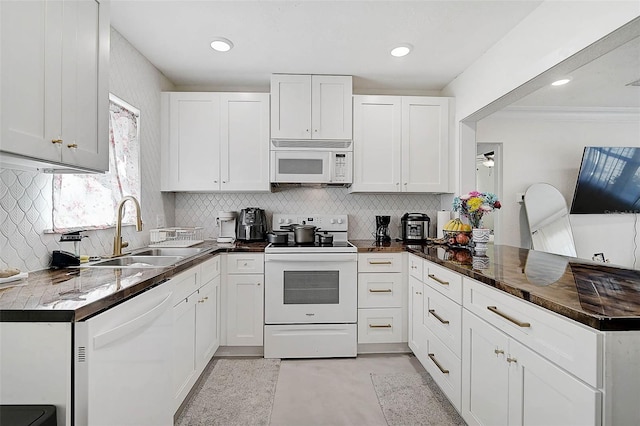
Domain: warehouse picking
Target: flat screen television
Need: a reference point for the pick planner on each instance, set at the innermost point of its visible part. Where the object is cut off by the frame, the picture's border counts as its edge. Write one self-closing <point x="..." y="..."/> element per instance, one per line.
<point x="608" y="181"/>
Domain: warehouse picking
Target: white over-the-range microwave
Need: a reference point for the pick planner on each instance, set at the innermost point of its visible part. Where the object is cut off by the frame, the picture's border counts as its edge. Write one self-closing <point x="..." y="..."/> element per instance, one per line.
<point x="312" y="161"/>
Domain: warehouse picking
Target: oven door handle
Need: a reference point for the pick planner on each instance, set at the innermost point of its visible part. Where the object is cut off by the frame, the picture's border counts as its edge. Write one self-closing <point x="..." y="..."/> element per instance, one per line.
<point x="311" y="257"/>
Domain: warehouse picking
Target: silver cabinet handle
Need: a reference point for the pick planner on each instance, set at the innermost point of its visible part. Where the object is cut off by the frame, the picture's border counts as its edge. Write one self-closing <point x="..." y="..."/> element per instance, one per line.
<point x="433" y="277"/>
<point x="435" y="361"/>
<point x="495" y="310"/>
<point x="433" y="312"/>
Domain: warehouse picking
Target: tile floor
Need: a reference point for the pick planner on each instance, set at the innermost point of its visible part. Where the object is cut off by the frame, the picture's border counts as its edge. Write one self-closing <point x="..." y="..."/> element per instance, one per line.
<point x="334" y="391"/>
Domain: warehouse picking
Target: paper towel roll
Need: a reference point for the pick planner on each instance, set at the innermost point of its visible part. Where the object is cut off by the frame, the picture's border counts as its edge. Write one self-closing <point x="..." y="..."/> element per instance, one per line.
<point x="444" y="216"/>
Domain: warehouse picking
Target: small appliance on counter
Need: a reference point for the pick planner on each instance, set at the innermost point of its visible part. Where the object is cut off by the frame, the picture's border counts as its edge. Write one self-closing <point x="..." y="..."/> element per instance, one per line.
<point x="251" y="224"/>
<point x="415" y="227"/>
<point x="226" y="221"/>
<point x="382" y="229"/>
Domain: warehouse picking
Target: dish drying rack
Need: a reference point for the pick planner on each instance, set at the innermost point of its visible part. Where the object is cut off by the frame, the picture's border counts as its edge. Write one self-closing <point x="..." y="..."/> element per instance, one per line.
<point x="176" y="237"/>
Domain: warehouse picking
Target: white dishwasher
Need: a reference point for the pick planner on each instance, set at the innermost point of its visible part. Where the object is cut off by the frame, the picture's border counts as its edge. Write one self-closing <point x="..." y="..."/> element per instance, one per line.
<point x="122" y="363"/>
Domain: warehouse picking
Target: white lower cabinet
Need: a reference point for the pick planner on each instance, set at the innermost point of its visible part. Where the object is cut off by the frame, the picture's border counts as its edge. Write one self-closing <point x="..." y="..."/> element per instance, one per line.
<point x="507" y="383"/>
<point x="381" y="298"/>
<point x="196" y="325"/>
<point x="245" y="299"/>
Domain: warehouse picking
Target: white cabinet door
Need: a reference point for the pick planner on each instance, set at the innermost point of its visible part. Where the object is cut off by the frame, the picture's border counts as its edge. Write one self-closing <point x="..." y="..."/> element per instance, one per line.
<point x="184" y="367"/>
<point x="376" y="143"/>
<point x="245" y="310"/>
<point x="207" y="322"/>
<point x="331" y="114"/>
<point x="425" y="144"/>
<point x="290" y="106"/>
<point x="311" y="107"/>
<point x="192" y="148"/>
<point x="485" y="373"/>
<point x="244" y="149"/>
<point x="417" y="337"/>
<point x="540" y="393"/>
<point x="55" y="82"/>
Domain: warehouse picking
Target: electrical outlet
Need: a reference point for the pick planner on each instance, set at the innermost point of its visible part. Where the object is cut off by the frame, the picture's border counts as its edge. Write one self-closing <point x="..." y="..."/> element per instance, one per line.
<point x="519" y="197"/>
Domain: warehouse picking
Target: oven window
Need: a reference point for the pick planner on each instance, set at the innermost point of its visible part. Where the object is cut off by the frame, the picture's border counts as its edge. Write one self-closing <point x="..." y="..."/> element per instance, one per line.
<point x="311" y="287"/>
<point x="300" y="166"/>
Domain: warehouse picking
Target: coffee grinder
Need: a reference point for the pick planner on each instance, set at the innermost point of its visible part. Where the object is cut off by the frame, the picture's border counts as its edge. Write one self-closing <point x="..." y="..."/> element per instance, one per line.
<point x="382" y="229"/>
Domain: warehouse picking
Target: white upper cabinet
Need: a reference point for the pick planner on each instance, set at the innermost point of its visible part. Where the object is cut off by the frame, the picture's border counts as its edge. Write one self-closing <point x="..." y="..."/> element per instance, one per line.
<point x="215" y="141"/>
<point x="55" y="93"/>
<point x="311" y="107"/>
<point x="401" y="144"/>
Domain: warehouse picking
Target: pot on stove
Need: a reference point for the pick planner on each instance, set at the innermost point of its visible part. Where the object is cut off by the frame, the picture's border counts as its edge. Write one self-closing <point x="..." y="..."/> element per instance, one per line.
<point x="303" y="234"/>
<point x="325" y="239"/>
<point x="275" y="237"/>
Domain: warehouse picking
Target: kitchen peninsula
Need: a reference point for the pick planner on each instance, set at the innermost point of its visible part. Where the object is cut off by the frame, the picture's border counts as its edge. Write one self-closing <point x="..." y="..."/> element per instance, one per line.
<point x="581" y="320"/>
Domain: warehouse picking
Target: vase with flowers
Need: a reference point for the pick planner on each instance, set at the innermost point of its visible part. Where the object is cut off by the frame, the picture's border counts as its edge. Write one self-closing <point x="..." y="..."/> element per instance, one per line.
<point x="474" y="206"/>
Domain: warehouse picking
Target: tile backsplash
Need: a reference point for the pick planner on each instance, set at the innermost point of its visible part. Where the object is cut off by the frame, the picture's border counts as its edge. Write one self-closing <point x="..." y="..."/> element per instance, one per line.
<point x="202" y="209"/>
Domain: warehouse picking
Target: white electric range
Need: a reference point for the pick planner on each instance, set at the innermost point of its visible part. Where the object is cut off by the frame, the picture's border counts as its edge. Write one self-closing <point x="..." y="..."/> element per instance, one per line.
<point x="311" y="290"/>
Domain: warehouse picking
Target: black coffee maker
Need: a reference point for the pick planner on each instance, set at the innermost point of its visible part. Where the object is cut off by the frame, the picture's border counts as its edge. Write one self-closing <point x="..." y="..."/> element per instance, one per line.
<point x="382" y="229"/>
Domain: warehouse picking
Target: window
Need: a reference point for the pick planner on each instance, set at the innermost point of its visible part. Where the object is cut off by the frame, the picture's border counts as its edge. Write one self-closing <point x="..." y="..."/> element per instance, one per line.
<point x="90" y="201"/>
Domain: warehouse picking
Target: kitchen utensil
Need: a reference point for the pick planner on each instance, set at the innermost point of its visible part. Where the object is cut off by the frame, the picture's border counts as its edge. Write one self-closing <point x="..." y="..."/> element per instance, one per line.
<point x="382" y="229"/>
<point x="251" y="224"/>
<point x="415" y="227"/>
<point x="303" y="234"/>
<point x="226" y="221"/>
<point x="277" y="237"/>
<point x="325" y="238"/>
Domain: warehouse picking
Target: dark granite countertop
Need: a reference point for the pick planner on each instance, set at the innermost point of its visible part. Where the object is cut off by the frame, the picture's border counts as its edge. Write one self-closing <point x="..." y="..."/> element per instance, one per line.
<point x="74" y="294"/>
<point x="599" y="295"/>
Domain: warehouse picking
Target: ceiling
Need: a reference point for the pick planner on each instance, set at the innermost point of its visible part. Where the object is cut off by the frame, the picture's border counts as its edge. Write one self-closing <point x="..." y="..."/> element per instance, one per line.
<point x="315" y="37"/>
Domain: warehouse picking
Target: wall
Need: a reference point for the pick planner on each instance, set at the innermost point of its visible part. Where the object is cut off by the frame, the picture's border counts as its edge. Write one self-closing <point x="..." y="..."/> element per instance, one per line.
<point x="202" y="209"/>
<point x="553" y="32"/>
<point x="25" y="197"/>
<point x="540" y="147"/>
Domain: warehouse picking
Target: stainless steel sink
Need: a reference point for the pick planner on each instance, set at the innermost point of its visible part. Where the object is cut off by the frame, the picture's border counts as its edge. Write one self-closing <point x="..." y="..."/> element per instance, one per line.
<point x="137" y="262"/>
<point x="170" y="251"/>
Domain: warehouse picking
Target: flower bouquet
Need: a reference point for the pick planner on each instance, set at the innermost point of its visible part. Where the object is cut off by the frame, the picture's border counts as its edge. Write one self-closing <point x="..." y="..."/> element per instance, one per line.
<point x="474" y="205"/>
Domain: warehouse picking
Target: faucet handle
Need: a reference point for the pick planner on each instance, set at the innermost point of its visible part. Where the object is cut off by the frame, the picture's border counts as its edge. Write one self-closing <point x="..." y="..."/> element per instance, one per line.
<point x="124" y="244"/>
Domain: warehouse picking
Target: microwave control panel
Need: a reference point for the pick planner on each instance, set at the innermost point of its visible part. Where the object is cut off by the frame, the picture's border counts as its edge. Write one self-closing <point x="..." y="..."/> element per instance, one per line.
<point x="341" y="167"/>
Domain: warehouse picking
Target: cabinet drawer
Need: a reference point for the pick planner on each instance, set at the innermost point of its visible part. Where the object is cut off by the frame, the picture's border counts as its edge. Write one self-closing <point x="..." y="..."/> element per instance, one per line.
<point x="380" y="325"/>
<point x="445" y="368"/>
<point x="415" y="266"/>
<point x="380" y="290"/>
<point x="572" y="346"/>
<point x="443" y="317"/>
<point x="185" y="283"/>
<point x="210" y="269"/>
<point x="245" y="263"/>
<point x="443" y="280"/>
<point x="380" y="262"/>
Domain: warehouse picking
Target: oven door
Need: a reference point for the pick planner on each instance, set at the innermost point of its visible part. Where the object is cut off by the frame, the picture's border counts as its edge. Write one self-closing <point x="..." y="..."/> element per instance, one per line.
<point x="307" y="288"/>
<point x="301" y="166"/>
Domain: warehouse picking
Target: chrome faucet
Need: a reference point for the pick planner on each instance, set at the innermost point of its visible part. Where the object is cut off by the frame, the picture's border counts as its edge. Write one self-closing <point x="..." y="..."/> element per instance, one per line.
<point x="118" y="244"/>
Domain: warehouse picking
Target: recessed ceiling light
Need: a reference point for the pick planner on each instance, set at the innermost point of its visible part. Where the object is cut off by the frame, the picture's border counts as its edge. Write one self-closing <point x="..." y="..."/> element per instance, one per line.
<point x="561" y="82"/>
<point x="401" y="50"/>
<point x="221" y="44"/>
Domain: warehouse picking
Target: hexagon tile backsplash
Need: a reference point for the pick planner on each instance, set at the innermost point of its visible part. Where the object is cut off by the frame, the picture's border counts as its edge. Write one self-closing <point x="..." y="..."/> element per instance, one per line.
<point x="202" y="209"/>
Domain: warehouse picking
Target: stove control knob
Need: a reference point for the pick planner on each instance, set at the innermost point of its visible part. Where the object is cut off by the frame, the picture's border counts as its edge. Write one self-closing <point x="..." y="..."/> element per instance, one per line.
<point x="281" y="220"/>
<point x="340" y="221"/>
<point x="288" y="221"/>
<point x="332" y="221"/>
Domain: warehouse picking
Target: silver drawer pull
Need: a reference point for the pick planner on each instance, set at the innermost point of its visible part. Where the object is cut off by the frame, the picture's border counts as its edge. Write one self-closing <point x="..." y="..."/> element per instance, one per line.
<point x="373" y="290"/>
<point x="433" y="358"/>
<point x="507" y="317"/>
<point x="433" y="312"/>
<point x="380" y="262"/>
<point x="379" y="326"/>
<point x="433" y="277"/>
